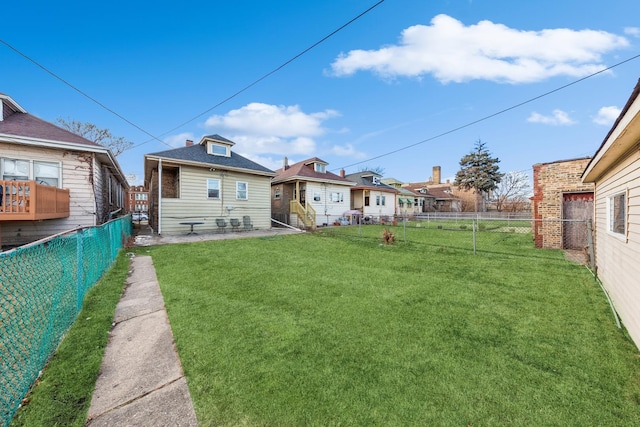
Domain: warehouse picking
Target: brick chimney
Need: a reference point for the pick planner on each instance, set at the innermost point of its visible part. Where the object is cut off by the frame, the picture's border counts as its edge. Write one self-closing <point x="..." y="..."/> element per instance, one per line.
<point x="188" y="143"/>
<point x="285" y="164"/>
<point x="436" y="175"/>
<point x="342" y="173"/>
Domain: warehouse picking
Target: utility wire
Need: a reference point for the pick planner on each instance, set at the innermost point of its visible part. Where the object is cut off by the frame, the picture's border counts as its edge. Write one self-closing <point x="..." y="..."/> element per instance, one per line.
<point x="513" y="107"/>
<point x="155" y="138"/>
<point x="81" y="92"/>
<point x="275" y="70"/>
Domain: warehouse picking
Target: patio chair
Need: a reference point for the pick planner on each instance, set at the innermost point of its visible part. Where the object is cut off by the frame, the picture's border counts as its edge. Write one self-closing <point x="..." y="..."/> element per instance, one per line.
<point x="235" y="224"/>
<point x="246" y="221"/>
<point x="222" y="224"/>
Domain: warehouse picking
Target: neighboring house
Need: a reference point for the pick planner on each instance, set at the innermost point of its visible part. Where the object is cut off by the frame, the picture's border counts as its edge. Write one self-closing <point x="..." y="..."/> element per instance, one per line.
<point x="376" y="200"/>
<point x="138" y="199"/>
<point x="615" y="172"/>
<point x="442" y="197"/>
<point x="561" y="204"/>
<point x="408" y="202"/>
<point x="52" y="180"/>
<point x="204" y="182"/>
<point x="305" y="194"/>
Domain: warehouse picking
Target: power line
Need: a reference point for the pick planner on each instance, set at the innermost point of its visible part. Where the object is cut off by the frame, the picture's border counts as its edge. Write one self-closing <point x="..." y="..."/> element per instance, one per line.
<point x="275" y="70"/>
<point x="153" y="137"/>
<point x="513" y="107"/>
<point x="81" y="92"/>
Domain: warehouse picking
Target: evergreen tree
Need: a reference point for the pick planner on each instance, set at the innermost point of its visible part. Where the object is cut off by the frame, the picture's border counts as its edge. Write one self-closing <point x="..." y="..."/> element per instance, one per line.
<point x="479" y="171"/>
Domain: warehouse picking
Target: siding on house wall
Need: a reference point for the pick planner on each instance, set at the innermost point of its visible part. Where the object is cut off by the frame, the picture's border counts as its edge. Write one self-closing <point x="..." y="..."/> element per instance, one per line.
<point x="326" y="210"/>
<point x="76" y="169"/>
<point x="193" y="204"/>
<point x="378" y="210"/>
<point x="550" y="182"/>
<point x="617" y="259"/>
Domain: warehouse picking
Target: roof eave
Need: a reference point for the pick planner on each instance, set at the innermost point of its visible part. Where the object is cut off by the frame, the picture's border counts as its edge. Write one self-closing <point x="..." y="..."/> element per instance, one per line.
<point x="207" y="165"/>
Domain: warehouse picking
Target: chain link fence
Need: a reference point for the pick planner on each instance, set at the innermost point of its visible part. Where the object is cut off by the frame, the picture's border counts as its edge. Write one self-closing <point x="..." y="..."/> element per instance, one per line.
<point x="478" y="233"/>
<point x="42" y="288"/>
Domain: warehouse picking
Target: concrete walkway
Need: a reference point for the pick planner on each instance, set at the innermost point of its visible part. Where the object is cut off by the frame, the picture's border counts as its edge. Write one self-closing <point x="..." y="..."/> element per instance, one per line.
<point x="141" y="382"/>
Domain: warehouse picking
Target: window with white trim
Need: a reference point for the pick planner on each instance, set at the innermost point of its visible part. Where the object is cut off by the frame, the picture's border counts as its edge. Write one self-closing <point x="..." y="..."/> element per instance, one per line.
<point x="242" y="192"/>
<point x="337" y="197"/>
<point x="320" y="168"/>
<point x="618" y="213"/>
<point x="276" y="193"/>
<point x="316" y="196"/>
<point x="218" y="149"/>
<point x="213" y="188"/>
<point x="24" y="170"/>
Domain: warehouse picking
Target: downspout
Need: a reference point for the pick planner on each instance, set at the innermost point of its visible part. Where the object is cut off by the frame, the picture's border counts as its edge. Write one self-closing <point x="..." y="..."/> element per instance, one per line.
<point x="159" y="196"/>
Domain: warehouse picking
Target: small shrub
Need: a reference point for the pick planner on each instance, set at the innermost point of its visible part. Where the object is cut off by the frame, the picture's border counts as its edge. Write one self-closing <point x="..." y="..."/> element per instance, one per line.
<point x="482" y="227"/>
<point x="388" y="237"/>
<point x="463" y="227"/>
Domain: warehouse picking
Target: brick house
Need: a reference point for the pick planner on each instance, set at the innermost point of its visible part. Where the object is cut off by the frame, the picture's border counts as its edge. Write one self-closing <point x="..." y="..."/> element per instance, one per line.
<point x="560" y="196"/>
<point x="138" y="199"/>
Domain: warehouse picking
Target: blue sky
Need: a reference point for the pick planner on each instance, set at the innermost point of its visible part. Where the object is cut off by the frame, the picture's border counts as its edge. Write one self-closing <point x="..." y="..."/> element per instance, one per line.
<point x="400" y="76"/>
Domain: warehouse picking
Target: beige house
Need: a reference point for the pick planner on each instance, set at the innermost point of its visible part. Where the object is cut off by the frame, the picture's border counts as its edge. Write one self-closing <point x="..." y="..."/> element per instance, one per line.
<point x="376" y="200"/>
<point x="52" y="180"/>
<point x="615" y="171"/>
<point x="305" y="194"/>
<point x="206" y="184"/>
<point x="411" y="202"/>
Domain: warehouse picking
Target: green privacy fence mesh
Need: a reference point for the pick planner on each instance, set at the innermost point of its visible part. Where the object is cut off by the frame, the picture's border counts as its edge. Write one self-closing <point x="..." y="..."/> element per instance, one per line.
<point x="42" y="288"/>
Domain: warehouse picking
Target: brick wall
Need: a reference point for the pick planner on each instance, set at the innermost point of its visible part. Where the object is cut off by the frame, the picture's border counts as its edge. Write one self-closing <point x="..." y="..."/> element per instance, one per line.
<point x="550" y="182"/>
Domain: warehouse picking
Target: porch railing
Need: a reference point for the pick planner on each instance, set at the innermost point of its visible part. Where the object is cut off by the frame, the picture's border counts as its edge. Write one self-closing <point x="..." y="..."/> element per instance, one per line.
<point x="307" y="216"/>
<point x="30" y="201"/>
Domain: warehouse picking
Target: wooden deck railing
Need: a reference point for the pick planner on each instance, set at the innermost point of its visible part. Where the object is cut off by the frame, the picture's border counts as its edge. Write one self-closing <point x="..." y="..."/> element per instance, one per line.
<point x="307" y="216"/>
<point x="30" y="201"/>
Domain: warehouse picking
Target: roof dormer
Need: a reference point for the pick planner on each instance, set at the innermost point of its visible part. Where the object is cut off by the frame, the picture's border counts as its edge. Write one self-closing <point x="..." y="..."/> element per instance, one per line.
<point x="319" y="166"/>
<point x="217" y="145"/>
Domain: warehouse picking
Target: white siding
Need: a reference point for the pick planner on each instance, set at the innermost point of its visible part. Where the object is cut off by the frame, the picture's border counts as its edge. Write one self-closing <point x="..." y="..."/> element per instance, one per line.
<point x="378" y="210"/>
<point x="618" y="259"/>
<point x="193" y="204"/>
<point x="327" y="211"/>
<point x="76" y="169"/>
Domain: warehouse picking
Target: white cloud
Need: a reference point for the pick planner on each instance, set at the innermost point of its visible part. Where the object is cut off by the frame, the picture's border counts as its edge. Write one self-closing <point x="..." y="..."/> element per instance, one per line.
<point x="632" y="31"/>
<point x="272" y="120"/>
<point x="260" y="129"/>
<point x="453" y="52"/>
<point x="607" y="115"/>
<point x="558" y="118"/>
<point x="348" y="150"/>
<point x="180" y="139"/>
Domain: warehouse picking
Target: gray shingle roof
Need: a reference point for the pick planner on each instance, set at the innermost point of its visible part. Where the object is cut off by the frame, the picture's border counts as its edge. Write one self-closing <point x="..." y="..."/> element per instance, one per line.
<point x="198" y="153"/>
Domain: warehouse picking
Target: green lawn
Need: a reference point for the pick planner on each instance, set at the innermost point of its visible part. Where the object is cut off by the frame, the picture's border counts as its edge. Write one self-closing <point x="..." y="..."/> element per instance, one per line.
<point x="334" y="328"/>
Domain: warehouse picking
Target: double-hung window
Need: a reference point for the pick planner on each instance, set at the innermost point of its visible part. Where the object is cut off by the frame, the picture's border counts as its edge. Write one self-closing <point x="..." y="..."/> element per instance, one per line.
<point x="242" y="192"/>
<point x="213" y="188"/>
<point x="618" y="214"/>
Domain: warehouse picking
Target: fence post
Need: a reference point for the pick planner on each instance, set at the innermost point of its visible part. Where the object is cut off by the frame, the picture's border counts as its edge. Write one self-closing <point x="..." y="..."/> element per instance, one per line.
<point x="592" y="254"/>
<point x="79" y="271"/>
<point x="473" y="226"/>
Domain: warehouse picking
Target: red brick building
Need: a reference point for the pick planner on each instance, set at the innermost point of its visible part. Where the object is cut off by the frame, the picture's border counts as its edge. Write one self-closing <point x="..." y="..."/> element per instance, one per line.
<point x="138" y="199"/>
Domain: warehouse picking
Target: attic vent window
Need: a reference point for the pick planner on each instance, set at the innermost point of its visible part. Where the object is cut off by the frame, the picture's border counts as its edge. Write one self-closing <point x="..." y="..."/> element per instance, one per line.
<point x="376" y="180"/>
<point x="320" y="168"/>
<point x="219" y="149"/>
